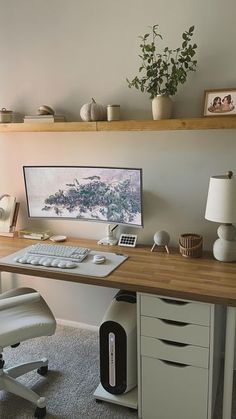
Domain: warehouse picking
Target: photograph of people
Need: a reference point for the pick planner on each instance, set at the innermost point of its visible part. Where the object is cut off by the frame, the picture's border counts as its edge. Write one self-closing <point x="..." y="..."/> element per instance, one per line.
<point x="221" y="105"/>
<point x="215" y="105"/>
<point x="227" y="104"/>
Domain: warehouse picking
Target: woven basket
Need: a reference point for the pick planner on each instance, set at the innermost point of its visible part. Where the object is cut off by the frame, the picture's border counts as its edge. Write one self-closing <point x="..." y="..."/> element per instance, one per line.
<point x="190" y="245"/>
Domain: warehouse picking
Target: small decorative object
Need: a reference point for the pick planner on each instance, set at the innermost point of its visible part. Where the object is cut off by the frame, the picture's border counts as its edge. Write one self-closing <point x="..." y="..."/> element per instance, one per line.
<point x="113" y="112"/>
<point x="45" y="110"/>
<point x="221" y="208"/>
<point x="5" y="116"/>
<point x="190" y="245"/>
<point x="220" y="102"/>
<point x="163" y="71"/>
<point x="45" y="114"/>
<point x="161" y="238"/>
<point x="93" y="111"/>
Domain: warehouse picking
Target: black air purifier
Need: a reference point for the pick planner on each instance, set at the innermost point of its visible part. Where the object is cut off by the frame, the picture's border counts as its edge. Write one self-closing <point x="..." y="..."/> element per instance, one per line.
<point x="118" y="344"/>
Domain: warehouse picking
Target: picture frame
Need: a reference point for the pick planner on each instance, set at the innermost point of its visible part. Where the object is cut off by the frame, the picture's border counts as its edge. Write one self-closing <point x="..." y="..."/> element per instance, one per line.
<point x="220" y="102"/>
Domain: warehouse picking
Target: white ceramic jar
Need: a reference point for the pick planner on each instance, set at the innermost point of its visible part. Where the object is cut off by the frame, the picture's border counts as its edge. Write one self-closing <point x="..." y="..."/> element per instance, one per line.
<point x="162" y="107"/>
<point x="5" y="116"/>
<point x="113" y="112"/>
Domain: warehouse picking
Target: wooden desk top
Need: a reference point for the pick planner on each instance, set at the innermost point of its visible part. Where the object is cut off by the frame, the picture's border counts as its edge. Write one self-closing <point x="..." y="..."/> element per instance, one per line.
<point x="201" y="279"/>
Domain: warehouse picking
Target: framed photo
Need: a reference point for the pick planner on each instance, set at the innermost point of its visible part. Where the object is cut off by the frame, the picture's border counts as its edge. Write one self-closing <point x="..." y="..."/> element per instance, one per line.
<point x="220" y="102"/>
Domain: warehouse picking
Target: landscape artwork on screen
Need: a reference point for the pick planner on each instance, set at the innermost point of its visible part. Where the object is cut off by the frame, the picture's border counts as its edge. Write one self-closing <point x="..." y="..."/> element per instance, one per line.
<point x="111" y="195"/>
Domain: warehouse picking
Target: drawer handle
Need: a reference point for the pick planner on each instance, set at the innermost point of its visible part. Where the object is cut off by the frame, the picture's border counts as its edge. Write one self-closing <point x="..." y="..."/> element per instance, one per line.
<point x="172" y="343"/>
<point x="175" y="302"/>
<point x="174" y="322"/>
<point x="174" y="364"/>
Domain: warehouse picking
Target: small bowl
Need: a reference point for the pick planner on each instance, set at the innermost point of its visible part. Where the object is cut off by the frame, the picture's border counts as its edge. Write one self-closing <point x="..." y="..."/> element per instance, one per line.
<point x="58" y="238"/>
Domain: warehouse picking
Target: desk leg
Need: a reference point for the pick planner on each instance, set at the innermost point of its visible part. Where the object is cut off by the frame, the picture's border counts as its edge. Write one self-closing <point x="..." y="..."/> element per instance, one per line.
<point x="229" y="362"/>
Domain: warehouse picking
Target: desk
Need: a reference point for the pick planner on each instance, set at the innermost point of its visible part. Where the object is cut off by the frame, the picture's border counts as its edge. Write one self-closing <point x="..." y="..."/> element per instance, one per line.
<point x="203" y="279"/>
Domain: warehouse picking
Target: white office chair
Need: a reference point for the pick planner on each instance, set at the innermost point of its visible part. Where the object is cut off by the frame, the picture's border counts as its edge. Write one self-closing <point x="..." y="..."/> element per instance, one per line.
<point x="23" y="315"/>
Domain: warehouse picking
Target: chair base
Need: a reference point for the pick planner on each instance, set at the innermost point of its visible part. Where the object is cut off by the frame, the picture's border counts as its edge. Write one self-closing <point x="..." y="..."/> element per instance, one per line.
<point x="9" y="383"/>
<point x="40" y="412"/>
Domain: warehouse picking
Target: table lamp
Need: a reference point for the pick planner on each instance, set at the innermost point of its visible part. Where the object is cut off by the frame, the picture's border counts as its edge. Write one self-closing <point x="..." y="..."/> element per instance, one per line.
<point x="221" y="208"/>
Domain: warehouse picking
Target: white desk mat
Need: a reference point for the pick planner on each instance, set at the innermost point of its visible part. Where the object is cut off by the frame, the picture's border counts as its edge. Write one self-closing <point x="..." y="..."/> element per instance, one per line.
<point x="85" y="268"/>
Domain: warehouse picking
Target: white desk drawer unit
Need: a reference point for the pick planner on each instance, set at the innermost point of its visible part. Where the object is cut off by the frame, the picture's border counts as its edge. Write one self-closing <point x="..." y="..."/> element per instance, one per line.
<point x="172" y="351"/>
<point x="180" y="394"/>
<point x="175" y="331"/>
<point x="176" y="358"/>
<point x="178" y="310"/>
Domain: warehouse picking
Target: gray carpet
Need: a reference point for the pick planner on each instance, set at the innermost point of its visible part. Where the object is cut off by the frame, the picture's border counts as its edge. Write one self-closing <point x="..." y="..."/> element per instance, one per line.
<point x="71" y="381"/>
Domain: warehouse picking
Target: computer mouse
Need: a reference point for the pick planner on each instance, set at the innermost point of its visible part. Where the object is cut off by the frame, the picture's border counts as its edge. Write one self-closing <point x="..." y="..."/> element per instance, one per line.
<point x="99" y="259"/>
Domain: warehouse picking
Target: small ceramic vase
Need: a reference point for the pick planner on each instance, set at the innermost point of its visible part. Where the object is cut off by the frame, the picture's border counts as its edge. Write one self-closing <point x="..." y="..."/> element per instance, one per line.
<point x="162" y="107"/>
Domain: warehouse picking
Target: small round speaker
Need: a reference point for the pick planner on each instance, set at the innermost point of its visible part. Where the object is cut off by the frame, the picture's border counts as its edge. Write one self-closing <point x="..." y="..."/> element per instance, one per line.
<point x="161" y="238"/>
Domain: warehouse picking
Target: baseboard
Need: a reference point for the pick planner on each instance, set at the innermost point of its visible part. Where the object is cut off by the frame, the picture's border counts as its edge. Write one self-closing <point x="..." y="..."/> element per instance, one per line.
<point x="77" y="325"/>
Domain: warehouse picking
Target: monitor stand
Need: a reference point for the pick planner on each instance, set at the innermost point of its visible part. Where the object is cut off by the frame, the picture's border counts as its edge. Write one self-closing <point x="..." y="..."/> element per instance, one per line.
<point x="110" y="239"/>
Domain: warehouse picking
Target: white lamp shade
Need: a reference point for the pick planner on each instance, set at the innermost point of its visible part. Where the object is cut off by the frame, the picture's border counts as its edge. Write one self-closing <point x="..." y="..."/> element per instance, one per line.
<point x="221" y="200"/>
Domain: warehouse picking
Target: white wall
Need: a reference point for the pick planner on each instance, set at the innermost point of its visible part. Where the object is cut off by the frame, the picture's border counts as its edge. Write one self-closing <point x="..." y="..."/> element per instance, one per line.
<point x="63" y="53"/>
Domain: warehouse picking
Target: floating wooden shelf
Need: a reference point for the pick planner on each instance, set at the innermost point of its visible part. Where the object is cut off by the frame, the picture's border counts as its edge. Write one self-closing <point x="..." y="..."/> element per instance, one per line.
<point x="169" y="124"/>
<point x="213" y="122"/>
<point x="48" y="127"/>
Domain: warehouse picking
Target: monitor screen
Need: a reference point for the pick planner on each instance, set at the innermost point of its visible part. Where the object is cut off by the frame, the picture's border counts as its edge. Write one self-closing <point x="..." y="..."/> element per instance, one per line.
<point x="106" y="194"/>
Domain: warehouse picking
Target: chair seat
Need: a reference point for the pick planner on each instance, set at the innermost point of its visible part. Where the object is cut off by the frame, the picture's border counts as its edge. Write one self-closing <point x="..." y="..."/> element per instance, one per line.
<point x="25" y="321"/>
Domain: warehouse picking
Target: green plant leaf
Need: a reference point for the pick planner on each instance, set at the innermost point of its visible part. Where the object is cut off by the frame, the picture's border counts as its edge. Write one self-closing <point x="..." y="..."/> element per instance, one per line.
<point x="163" y="71"/>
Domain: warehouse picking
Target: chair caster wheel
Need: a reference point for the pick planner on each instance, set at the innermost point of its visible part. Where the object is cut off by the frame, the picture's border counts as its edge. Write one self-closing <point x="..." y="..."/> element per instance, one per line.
<point x="40" y="412"/>
<point x="98" y="401"/>
<point x="43" y="370"/>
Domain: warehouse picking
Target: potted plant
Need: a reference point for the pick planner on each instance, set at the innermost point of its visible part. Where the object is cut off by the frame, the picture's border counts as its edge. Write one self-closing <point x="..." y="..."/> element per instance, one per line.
<point x="162" y="72"/>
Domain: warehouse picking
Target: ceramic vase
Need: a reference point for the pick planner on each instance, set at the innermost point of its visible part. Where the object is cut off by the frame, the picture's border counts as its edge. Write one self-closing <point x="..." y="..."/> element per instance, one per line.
<point x="162" y="107"/>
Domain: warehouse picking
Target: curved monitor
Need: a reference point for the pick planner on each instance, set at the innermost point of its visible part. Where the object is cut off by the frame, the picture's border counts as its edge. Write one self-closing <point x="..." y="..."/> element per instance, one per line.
<point x="102" y="194"/>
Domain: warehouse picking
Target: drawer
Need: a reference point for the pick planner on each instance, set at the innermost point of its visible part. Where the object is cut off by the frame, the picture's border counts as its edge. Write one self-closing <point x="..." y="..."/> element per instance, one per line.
<point x="178" y="332"/>
<point x="196" y="356"/>
<point x="171" y="390"/>
<point x="180" y="310"/>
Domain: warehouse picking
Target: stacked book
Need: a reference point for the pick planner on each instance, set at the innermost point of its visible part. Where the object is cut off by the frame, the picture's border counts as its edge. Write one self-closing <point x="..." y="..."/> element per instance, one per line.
<point x="34" y="234"/>
<point x="44" y="118"/>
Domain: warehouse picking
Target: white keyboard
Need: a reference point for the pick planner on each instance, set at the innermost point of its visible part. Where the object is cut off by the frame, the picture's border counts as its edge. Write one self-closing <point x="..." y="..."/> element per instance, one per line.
<point x="53" y="255"/>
